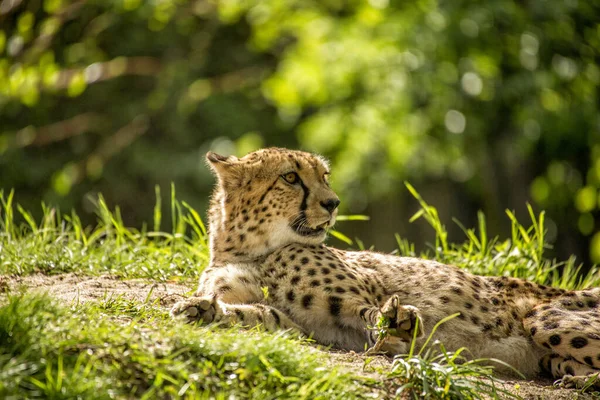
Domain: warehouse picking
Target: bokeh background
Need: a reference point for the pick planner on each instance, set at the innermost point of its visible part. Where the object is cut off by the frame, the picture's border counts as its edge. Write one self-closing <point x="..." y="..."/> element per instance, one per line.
<point x="481" y="105"/>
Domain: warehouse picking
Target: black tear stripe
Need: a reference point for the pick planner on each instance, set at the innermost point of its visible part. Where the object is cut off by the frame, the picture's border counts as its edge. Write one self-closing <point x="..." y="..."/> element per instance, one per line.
<point x="304" y="203"/>
<point x="267" y="191"/>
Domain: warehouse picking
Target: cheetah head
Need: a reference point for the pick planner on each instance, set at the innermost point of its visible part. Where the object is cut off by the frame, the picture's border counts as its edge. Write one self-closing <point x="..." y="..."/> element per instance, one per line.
<point x="268" y="199"/>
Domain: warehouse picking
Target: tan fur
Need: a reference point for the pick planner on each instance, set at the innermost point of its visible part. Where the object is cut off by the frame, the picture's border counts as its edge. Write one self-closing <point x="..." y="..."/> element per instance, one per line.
<point x="267" y="233"/>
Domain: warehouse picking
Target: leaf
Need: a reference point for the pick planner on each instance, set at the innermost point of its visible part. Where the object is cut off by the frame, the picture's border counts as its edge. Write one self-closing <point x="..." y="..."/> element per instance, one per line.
<point x="340" y="236"/>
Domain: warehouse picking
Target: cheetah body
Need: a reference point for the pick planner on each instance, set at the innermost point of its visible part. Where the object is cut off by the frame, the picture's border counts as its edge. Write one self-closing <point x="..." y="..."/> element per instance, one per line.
<point x="268" y="266"/>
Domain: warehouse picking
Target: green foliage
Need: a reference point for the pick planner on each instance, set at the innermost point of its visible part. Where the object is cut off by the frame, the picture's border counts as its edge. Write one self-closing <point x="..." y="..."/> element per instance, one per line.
<point x="100" y="96"/>
<point x="432" y="84"/>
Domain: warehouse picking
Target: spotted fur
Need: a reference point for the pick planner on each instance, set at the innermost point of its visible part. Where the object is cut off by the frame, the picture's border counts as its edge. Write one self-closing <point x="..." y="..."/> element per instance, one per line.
<point x="268" y="219"/>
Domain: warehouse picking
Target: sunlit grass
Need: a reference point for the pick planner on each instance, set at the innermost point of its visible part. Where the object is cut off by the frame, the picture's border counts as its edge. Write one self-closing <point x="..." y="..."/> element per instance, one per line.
<point x="49" y="351"/>
<point x="432" y="372"/>
<point x="59" y="243"/>
<point x="123" y="348"/>
<point x="520" y="256"/>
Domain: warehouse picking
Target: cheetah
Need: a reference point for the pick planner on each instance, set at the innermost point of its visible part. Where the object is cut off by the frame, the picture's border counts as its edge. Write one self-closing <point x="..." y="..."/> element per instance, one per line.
<point x="268" y="219"/>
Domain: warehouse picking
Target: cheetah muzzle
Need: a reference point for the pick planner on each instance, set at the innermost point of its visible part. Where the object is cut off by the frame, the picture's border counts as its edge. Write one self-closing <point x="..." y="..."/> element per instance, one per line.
<point x="299" y="227"/>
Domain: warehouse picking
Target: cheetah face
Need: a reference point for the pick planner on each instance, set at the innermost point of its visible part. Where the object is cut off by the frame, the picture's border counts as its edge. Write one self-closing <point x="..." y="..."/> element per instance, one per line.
<point x="275" y="197"/>
<point x="315" y="221"/>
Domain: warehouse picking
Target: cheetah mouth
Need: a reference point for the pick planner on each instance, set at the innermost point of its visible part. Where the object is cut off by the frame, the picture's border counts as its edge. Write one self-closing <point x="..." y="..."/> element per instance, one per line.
<point x="305" y="230"/>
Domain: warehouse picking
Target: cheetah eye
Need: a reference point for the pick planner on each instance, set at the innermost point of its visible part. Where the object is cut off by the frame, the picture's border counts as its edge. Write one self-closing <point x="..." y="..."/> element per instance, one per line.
<point x="291" y="177"/>
<point x="326" y="177"/>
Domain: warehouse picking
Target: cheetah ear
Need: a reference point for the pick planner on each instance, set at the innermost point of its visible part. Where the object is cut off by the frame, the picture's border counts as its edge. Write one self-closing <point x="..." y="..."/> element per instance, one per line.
<point x="222" y="166"/>
<point x="214" y="158"/>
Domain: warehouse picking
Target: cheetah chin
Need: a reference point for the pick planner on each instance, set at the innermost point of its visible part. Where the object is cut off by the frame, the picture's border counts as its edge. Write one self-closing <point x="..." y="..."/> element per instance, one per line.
<point x="268" y="218"/>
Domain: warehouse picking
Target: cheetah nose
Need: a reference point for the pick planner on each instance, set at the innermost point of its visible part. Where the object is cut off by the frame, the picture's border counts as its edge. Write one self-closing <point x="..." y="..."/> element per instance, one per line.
<point x="330" y="204"/>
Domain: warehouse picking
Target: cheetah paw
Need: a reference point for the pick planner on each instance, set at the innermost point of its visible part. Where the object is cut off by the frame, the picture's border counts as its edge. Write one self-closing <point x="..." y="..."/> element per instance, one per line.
<point x="578" y="381"/>
<point x="565" y="382"/>
<point x="404" y="319"/>
<point x="197" y="308"/>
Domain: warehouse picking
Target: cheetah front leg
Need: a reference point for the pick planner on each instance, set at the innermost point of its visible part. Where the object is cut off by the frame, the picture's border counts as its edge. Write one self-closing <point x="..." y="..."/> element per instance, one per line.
<point x="402" y="321"/>
<point x="209" y="309"/>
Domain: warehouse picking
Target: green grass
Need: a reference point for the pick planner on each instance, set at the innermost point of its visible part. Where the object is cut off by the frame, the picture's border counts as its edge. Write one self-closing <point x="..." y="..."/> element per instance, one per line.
<point x="120" y="348"/>
<point x="434" y="373"/>
<point x="520" y="256"/>
<point x="60" y="244"/>
<point x="49" y="351"/>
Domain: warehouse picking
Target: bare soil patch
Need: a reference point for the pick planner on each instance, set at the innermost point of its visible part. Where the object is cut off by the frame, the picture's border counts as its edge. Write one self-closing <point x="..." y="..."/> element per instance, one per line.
<point x="72" y="288"/>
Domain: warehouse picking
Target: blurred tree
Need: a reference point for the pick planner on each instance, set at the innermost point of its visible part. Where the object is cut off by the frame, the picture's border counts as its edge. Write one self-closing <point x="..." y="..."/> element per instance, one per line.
<point x="497" y="100"/>
<point x="117" y="96"/>
<point x="500" y="97"/>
